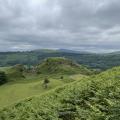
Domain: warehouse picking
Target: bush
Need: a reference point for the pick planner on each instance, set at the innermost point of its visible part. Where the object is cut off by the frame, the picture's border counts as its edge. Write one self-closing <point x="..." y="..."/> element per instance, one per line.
<point x="45" y="83"/>
<point x="3" y="78"/>
<point x="61" y="77"/>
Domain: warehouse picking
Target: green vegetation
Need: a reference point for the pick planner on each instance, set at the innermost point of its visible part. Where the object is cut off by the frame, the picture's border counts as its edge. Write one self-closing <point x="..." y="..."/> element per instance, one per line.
<point x="60" y="89"/>
<point x="59" y="65"/>
<point x="14" y="72"/>
<point x="85" y="99"/>
<point x="16" y="91"/>
<point x="45" y="83"/>
<point x="24" y="83"/>
<point x="3" y="78"/>
<point x="96" y="61"/>
<point x="32" y="85"/>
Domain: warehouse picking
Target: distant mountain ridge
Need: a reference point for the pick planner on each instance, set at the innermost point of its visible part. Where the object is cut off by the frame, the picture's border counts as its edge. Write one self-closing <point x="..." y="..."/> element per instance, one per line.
<point x="74" y="51"/>
<point x="93" y="60"/>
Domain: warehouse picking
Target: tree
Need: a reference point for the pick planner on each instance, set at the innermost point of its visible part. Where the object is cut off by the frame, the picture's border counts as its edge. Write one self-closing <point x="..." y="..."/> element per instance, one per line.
<point x="61" y="77"/>
<point x="3" y="78"/>
<point x="45" y="83"/>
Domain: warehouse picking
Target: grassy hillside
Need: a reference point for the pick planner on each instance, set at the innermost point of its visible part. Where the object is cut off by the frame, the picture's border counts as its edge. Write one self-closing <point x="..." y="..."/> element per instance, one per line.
<point x="23" y="83"/>
<point x="60" y="65"/>
<point x="95" y="98"/>
<point x="31" y="85"/>
<point x="113" y="73"/>
<point x="24" y="89"/>
<point x="14" y="72"/>
<point x="53" y="66"/>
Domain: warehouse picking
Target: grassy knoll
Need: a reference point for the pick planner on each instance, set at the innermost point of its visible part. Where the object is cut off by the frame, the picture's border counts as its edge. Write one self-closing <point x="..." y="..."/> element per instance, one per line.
<point x="60" y="65"/>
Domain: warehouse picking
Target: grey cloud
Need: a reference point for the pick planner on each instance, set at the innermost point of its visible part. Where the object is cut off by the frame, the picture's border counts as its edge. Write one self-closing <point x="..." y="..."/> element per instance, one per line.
<point x="79" y="25"/>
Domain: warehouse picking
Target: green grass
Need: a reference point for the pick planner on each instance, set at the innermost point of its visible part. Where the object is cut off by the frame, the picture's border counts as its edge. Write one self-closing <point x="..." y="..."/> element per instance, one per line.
<point x="33" y="85"/>
<point x="75" y="97"/>
<point x="4" y="69"/>
<point x="94" y="98"/>
<point x="60" y="65"/>
<point x="23" y="84"/>
<point x="10" y="93"/>
<point x="13" y="72"/>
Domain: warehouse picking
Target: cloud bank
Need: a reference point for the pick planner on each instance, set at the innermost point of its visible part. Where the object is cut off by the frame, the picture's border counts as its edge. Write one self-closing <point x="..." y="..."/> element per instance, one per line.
<point x="92" y="25"/>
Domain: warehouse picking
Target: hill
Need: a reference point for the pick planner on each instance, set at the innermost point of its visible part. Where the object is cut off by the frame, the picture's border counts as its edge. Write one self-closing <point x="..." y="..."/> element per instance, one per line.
<point x="14" y="72"/>
<point x="92" y="60"/>
<point x="60" y="65"/>
<point x="23" y="82"/>
<point x="53" y="66"/>
<point x="94" y="98"/>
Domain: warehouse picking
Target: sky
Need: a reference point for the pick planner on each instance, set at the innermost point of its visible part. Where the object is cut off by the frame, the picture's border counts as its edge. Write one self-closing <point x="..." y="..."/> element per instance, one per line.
<point x="82" y="25"/>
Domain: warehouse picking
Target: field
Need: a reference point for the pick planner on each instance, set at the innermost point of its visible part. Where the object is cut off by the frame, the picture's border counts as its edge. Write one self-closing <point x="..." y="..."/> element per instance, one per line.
<point x="13" y="92"/>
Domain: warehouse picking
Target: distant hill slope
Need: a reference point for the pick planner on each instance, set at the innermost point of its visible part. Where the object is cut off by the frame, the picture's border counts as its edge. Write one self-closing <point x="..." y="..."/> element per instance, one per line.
<point x="98" y="61"/>
<point x="54" y="66"/>
<point x="113" y="73"/>
<point x="60" y="65"/>
<point x="95" y="98"/>
<point x="14" y="72"/>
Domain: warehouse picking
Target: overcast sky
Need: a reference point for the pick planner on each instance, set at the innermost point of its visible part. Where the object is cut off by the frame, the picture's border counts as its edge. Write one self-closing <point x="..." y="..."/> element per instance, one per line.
<point x="92" y="25"/>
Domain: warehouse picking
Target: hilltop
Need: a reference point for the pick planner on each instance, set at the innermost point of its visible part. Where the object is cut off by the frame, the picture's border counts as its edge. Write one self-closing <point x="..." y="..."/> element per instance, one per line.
<point x="94" y="98"/>
<point x="60" y="65"/>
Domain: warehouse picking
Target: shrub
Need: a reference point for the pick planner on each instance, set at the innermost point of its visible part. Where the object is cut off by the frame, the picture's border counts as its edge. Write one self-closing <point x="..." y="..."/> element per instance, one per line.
<point x="61" y="77"/>
<point x="3" y="78"/>
<point x="45" y="83"/>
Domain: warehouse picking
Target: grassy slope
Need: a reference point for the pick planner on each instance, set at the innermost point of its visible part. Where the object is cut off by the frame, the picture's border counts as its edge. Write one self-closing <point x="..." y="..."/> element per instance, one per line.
<point x="97" y="98"/>
<point x="22" y="87"/>
<point x="13" y="72"/>
<point x="31" y="85"/>
<point x="60" y="65"/>
<point x="13" y="92"/>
